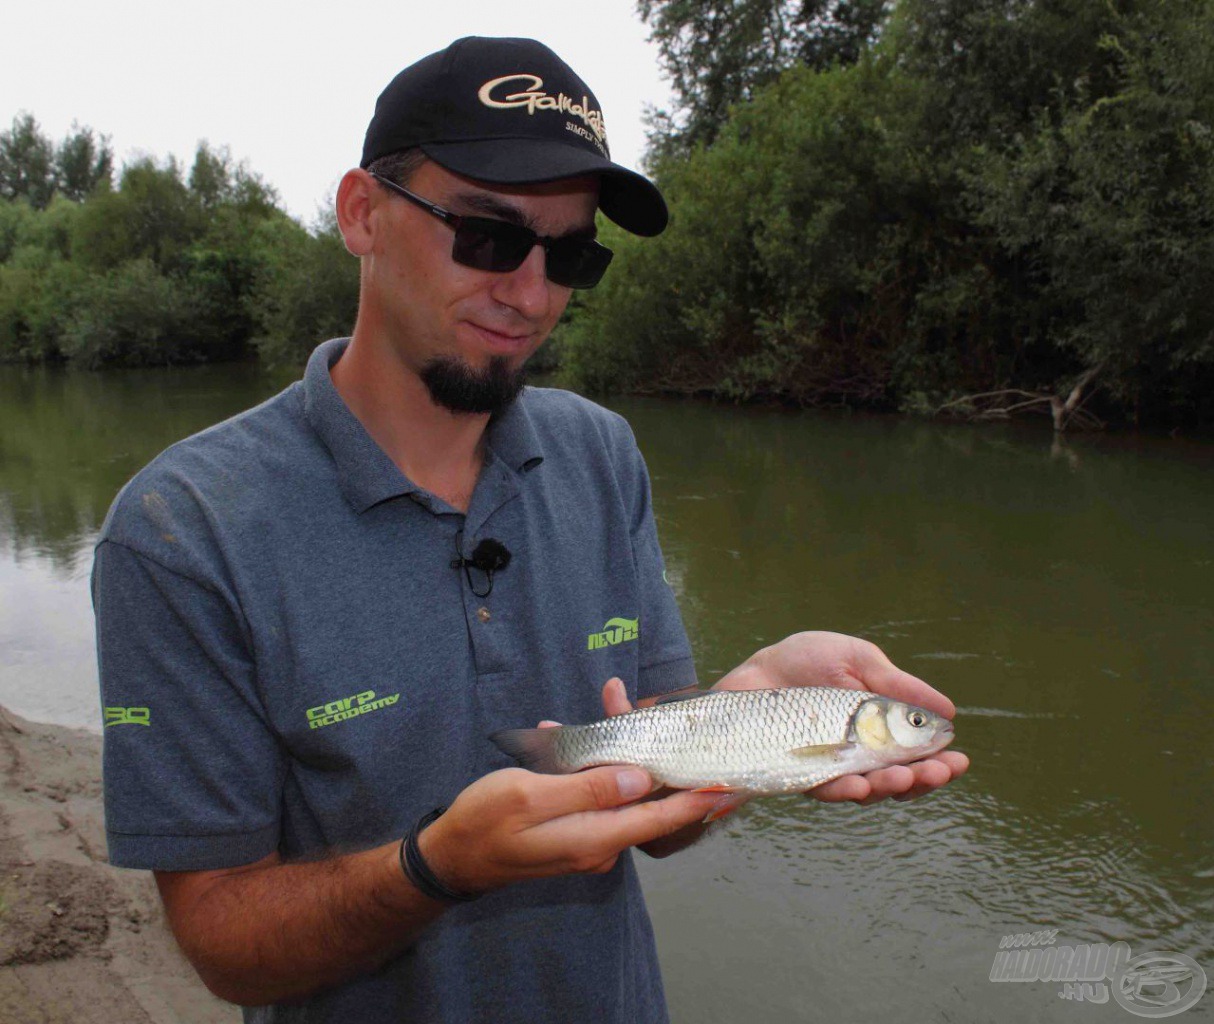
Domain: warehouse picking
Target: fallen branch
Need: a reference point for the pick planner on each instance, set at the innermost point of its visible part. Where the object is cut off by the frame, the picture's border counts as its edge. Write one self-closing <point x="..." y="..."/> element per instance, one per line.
<point x="995" y="405"/>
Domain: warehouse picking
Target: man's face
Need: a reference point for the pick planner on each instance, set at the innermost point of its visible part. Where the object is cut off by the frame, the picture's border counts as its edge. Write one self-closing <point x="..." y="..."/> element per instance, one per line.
<point x="467" y="333"/>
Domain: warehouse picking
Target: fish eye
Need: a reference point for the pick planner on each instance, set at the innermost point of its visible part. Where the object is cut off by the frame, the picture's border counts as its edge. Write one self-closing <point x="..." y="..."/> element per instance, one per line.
<point x="917" y="718"/>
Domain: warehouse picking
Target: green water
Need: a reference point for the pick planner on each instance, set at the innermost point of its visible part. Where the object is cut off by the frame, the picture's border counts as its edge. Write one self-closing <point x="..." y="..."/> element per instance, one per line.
<point x="1061" y="595"/>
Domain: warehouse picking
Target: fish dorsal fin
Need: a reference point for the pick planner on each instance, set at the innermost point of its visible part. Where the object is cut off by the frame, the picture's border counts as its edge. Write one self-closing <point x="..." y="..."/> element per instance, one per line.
<point x="819" y="749"/>
<point x="674" y="698"/>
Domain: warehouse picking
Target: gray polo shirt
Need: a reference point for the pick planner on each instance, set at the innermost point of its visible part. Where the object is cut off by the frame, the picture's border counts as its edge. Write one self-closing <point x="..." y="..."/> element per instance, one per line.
<point x="290" y="662"/>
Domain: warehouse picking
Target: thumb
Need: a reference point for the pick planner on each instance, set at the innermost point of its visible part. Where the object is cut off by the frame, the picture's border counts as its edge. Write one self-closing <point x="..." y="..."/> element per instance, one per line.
<point x="615" y="697"/>
<point x="603" y="788"/>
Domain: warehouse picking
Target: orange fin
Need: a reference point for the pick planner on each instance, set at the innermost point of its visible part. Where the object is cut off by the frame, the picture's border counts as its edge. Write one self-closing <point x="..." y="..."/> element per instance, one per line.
<point x="714" y="789"/>
<point x="726" y="804"/>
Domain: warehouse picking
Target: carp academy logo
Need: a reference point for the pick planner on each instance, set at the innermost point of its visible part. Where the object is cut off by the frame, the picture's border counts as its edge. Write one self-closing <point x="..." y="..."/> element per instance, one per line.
<point x="1152" y="985"/>
<point x="348" y="707"/>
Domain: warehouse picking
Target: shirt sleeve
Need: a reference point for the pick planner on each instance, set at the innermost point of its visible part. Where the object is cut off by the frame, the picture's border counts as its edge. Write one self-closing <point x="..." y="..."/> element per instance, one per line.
<point x="666" y="660"/>
<point x="192" y="771"/>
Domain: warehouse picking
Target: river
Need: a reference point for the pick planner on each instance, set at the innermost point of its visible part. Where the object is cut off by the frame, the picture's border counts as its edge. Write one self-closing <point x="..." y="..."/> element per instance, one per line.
<point x="1059" y="593"/>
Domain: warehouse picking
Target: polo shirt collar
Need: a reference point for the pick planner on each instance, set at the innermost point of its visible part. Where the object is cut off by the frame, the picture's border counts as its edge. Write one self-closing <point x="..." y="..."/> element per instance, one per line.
<point x="365" y="473"/>
<point x="513" y="437"/>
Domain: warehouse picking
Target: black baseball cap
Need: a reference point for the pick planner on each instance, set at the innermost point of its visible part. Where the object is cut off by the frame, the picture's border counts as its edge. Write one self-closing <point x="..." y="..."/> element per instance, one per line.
<point x="509" y="112"/>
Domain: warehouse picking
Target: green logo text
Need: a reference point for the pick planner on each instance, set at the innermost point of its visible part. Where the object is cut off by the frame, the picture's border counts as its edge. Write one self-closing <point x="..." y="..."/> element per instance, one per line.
<point x="615" y="631"/>
<point x="348" y="707"/>
<point x="127" y="716"/>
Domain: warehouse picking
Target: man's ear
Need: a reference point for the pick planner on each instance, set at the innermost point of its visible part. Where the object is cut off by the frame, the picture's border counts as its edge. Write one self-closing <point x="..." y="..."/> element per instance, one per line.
<point x="355" y="197"/>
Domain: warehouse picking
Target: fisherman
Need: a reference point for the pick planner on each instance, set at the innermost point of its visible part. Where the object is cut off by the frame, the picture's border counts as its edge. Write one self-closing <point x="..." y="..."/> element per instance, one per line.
<point x="311" y="617"/>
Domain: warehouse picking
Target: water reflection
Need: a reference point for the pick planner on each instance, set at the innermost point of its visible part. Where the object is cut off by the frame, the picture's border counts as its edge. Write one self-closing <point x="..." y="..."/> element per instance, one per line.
<point x="69" y="441"/>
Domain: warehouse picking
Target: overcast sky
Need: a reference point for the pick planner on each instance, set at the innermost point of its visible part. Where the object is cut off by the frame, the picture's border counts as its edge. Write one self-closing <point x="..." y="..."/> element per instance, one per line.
<point x="287" y="87"/>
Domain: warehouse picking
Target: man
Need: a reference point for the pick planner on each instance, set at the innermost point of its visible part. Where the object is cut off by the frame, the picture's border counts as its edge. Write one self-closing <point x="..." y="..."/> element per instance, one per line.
<point x="323" y="607"/>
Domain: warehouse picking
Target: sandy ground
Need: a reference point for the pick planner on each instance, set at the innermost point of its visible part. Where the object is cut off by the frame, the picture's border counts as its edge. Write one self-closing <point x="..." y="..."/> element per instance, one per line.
<point x="80" y="941"/>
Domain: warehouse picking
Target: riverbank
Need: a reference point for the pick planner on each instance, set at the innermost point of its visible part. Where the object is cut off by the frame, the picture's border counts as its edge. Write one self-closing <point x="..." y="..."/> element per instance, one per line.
<point x="79" y="940"/>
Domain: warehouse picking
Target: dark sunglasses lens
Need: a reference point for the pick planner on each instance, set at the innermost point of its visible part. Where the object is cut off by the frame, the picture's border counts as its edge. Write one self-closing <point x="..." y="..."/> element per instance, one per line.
<point x="485" y="244"/>
<point x="577" y="263"/>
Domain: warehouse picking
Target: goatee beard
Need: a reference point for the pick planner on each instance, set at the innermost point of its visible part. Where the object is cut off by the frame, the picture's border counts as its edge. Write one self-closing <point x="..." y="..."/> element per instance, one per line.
<point x="456" y="386"/>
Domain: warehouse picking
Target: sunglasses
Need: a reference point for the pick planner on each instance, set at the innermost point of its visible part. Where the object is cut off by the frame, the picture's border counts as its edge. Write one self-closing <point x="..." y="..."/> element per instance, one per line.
<point x="497" y="245"/>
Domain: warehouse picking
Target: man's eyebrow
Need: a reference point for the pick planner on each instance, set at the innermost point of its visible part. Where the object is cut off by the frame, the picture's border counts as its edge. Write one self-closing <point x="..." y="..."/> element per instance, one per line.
<point x="481" y="202"/>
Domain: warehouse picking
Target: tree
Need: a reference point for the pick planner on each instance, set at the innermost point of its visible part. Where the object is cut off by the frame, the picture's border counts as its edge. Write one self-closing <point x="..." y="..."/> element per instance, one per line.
<point x="1110" y="197"/>
<point x="83" y="162"/>
<point x="34" y="169"/>
<point x="151" y="215"/>
<point x="27" y="163"/>
<point x="716" y="53"/>
<point x="1004" y="204"/>
<point x="306" y="290"/>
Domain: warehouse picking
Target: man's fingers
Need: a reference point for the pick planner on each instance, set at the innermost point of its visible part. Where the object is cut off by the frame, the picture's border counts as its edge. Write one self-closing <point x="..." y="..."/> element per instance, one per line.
<point x="595" y="789"/>
<point x="651" y="819"/>
<point x="882" y="676"/>
<point x="901" y="782"/>
<point x="846" y="787"/>
<point x="957" y="762"/>
<point x="615" y="697"/>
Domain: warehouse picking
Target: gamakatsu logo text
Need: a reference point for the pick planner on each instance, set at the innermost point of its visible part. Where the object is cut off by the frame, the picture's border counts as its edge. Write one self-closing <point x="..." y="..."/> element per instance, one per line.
<point x="615" y="631"/>
<point x="532" y="96"/>
<point x="348" y="707"/>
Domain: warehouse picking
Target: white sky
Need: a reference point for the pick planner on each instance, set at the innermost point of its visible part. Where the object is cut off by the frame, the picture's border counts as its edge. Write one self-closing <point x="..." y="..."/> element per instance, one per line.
<point x="287" y="87"/>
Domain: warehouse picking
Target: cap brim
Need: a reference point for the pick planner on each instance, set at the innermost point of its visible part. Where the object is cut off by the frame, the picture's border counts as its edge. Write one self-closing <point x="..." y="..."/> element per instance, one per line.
<point x="628" y="198"/>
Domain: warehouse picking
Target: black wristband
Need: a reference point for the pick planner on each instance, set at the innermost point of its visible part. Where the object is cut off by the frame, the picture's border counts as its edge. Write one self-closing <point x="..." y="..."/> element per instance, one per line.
<point x="418" y="871"/>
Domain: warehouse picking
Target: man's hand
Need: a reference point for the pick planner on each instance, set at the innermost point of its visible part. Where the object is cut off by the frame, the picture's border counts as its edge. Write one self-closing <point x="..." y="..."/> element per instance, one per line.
<point x="513" y="825"/>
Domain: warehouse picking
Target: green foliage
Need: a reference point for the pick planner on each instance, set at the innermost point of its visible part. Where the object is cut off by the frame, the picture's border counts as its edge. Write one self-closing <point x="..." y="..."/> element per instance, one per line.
<point x="162" y="269"/>
<point x="718" y="53"/>
<point x="83" y="164"/>
<point x="780" y="238"/>
<point x="1112" y="197"/>
<point x="27" y="161"/>
<point x="34" y="169"/>
<point x="132" y="314"/>
<point x="306" y="290"/>
<point x="1001" y="194"/>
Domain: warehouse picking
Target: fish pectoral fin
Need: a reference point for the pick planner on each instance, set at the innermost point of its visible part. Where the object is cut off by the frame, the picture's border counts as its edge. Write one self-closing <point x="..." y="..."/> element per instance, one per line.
<point x="819" y="749"/>
<point x="715" y="789"/>
<point x="729" y="801"/>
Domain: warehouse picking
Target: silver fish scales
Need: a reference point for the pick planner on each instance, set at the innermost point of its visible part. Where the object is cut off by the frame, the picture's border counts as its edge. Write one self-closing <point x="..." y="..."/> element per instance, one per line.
<point x="748" y="741"/>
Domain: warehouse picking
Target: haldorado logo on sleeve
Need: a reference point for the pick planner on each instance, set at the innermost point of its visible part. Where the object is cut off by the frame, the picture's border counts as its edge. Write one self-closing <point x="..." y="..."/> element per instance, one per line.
<point x="615" y="631"/>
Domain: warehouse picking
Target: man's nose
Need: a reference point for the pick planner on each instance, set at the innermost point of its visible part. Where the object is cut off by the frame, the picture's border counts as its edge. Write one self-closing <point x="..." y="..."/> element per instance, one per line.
<point x="526" y="288"/>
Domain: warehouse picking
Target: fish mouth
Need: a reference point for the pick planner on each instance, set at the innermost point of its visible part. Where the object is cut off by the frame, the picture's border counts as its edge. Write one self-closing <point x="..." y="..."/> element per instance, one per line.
<point x="944" y="737"/>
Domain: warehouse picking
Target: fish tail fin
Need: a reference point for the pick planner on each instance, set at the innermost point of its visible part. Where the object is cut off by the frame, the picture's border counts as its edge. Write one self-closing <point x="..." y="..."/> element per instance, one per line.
<point x="534" y="749"/>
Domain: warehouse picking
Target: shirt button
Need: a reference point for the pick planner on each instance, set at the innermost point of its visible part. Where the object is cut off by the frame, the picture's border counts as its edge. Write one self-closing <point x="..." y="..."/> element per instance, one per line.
<point x="483" y="614"/>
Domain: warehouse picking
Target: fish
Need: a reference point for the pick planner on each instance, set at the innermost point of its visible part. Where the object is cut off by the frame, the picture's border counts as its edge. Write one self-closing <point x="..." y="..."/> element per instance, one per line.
<point x="741" y="743"/>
